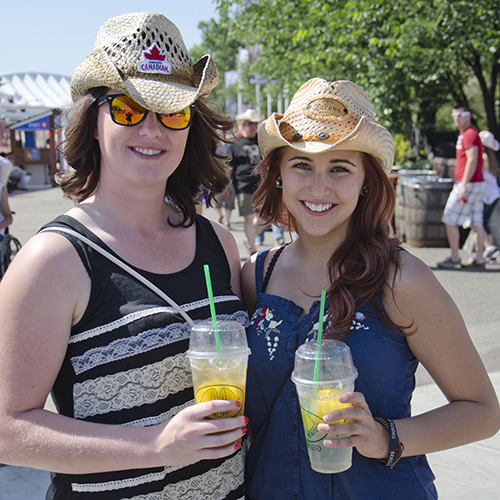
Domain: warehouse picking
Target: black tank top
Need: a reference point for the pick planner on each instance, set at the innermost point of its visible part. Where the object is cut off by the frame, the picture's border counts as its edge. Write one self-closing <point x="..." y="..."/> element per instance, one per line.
<point x="125" y="365"/>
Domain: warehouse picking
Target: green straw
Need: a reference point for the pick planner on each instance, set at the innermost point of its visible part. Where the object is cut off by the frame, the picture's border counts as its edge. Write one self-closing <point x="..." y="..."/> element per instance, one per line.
<point x="212" y="306"/>
<point x="320" y="333"/>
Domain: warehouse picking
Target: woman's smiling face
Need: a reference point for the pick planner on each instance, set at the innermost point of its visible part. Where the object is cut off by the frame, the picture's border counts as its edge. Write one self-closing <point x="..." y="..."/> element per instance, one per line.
<point x="147" y="153"/>
<point x="321" y="190"/>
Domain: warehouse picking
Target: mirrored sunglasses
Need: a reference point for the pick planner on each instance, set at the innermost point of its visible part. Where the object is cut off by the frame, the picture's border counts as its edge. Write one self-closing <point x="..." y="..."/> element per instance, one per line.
<point x="460" y="114"/>
<point x="125" y="111"/>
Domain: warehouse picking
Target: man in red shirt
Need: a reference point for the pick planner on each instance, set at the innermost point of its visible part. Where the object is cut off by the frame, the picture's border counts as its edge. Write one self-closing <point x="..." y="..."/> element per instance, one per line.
<point x="466" y="198"/>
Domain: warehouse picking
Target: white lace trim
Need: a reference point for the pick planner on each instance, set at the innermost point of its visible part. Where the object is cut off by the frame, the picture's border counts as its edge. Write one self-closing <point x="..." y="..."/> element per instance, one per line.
<point x="143" y="342"/>
<point x="214" y="484"/>
<point x="205" y="302"/>
<point x="132" y="388"/>
<point x="158" y="419"/>
<point x="129" y="318"/>
<point x="130" y="346"/>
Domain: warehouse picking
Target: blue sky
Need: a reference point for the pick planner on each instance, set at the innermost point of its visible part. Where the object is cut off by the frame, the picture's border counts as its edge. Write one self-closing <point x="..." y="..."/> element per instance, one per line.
<point x="55" y="36"/>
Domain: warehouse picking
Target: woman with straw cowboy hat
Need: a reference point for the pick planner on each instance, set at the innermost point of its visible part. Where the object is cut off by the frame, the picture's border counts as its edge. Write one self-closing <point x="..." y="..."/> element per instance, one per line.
<point x="325" y="176"/>
<point x="113" y="286"/>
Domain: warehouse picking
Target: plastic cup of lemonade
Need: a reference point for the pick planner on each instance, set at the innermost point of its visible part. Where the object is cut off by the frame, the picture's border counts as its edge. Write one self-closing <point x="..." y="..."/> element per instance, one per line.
<point x="219" y="366"/>
<point x="318" y="395"/>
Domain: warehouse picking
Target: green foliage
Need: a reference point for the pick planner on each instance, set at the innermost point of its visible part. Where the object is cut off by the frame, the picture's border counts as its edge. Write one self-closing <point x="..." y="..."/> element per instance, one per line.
<point x="412" y="57"/>
<point x="220" y="41"/>
<point x="402" y="150"/>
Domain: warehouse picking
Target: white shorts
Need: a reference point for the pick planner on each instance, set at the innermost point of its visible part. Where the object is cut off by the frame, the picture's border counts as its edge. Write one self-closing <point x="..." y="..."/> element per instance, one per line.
<point x="455" y="213"/>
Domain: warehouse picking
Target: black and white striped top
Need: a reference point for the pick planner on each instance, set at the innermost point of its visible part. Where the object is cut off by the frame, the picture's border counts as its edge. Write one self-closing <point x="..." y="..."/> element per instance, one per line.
<point x="126" y="365"/>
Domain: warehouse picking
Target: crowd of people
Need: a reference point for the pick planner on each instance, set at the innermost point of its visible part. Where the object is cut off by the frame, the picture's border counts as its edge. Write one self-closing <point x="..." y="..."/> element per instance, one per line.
<point x="142" y="139"/>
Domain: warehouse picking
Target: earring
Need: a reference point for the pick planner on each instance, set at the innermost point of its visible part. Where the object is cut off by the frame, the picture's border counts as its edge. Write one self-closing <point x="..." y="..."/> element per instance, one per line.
<point x="279" y="183"/>
<point x="364" y="190"/>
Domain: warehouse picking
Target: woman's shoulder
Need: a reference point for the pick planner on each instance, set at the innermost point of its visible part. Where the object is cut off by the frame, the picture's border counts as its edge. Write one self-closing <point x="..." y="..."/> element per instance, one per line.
<point x="412" y="276"/>
<point x="413" y="286"/>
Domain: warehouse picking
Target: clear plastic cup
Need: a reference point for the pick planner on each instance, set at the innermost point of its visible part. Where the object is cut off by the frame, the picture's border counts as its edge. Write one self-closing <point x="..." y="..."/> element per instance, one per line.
<point x="219" y="374"/>
<point x="335" y="376"/>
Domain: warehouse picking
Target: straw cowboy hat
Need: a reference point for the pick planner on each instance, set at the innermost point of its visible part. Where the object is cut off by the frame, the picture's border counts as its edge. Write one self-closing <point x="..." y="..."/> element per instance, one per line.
<point x="325" y="116"/>
<point x="143" y="56"/>
<point x="488" y="140"/>
<point x="250" y="115"/>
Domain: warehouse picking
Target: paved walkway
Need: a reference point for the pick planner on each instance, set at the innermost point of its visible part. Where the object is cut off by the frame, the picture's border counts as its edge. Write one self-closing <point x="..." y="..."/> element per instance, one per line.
<point x="464" y="473"/>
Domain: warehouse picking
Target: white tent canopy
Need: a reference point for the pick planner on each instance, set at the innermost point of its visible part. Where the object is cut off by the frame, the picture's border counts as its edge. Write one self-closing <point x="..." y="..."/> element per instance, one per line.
<point x="23" y="95"/>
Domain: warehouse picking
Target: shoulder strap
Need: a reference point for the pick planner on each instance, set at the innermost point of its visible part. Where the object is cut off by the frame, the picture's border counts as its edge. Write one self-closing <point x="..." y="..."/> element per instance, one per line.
<point x="270" y="268"/>
<point x="125" y="267"/>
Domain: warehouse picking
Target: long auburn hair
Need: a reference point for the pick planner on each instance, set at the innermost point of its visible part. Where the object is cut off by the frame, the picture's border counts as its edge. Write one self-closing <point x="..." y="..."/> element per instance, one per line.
<point x="201" y="165"/>
<point x="360" y="267"/>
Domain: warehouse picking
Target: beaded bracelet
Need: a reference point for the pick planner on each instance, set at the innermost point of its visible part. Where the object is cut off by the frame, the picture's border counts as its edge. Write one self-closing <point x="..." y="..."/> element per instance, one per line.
<point x="396" y="447"/>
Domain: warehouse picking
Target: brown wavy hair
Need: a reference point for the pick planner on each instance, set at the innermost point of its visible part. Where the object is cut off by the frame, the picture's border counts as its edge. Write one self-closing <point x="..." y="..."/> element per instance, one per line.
<point x="360" y="267"/>
<point x="201" y="165"/>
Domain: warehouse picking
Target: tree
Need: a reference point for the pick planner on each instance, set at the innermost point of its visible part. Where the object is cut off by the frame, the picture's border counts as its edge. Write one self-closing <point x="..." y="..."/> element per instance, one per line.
<point x="222" y="42"/>
<point x="410" y="56"/>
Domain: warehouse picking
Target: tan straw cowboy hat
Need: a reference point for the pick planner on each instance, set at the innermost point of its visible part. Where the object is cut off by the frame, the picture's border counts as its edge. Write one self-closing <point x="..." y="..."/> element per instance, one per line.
<point x="250" y="115"/>
<point x="143" y="56"/>
<point x="324" y="116"/>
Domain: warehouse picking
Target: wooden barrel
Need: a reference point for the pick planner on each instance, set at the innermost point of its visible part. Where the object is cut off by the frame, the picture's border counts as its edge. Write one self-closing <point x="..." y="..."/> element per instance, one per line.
<point x="424" y="200"/>
<point x="399" y="211"/>
<point x="403" y="177"/>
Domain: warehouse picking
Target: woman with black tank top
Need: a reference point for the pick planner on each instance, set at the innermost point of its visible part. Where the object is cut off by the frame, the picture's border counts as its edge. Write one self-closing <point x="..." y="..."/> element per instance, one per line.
<point x="325" y="176"/>
<point x="81" y="316"/>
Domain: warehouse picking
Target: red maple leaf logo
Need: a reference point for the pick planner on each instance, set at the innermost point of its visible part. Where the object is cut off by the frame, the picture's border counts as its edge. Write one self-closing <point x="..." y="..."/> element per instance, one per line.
<point x="154" y="54"/>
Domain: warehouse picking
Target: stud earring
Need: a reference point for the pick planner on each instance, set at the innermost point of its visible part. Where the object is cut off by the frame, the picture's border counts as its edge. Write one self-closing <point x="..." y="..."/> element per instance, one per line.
<point x="364" y="190"/>
<point x="279" y="183"/>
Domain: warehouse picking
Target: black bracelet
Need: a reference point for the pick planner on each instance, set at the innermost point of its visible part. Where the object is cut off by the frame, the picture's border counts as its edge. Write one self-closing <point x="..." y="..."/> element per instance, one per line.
<point x="396" y="447"/>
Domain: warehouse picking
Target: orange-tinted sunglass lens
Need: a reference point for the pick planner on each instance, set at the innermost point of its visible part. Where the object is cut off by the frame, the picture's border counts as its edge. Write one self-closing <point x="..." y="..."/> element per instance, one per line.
<point x="177" y="121"/>
<point x="125" y="111"/>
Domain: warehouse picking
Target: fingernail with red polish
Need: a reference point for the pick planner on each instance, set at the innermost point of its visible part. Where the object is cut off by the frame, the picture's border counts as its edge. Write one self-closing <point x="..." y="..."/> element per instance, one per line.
<point x="244" y="430"/>
<point x="238" y="404"/>
<point x="237" y="447"/>
<point x="246" y="420"/>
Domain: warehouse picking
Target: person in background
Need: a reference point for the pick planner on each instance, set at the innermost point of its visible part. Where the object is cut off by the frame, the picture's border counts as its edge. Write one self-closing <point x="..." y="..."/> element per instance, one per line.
<point x="325" y="174"/>
<point x="5" y="167"/>
<point x="466" y="197"/>
<point x="18" y="179"/>
<point x="5" y="212"/>
<point x="245" y="155"/>
<point x="108" y="345"/>
<point x="492" y="191"/>
<point x="277" y="235"/>
<point x="226" y="199"/>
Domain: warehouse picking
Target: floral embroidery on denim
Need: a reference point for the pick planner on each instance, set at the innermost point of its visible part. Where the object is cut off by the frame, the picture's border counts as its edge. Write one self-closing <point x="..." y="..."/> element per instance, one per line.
<point x="357" y="322"/>
<point x="313" y="332"/>
<point x="266" y="323"/>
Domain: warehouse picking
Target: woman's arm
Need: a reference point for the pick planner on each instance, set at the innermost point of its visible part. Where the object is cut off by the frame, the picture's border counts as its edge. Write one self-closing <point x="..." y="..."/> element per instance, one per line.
<point x="45" y="291"/>
<point x="5" y="209"/>
<point x="442" y="344"/>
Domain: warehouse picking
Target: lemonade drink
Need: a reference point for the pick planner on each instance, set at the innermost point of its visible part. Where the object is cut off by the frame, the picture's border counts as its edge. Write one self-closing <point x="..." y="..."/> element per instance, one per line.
<point x="314" y="404"/>
<point x="322" y="372"/>
<point x="220" y="379"/>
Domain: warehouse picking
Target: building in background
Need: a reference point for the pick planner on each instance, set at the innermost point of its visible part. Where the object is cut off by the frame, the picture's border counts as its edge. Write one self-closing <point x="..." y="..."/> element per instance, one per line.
<point x="30" y="128"/>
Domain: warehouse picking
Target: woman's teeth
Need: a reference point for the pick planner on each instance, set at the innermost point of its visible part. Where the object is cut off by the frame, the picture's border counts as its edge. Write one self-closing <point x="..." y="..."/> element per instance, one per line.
<point x="148" y="152"/>
<point x="318" y="208"/>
